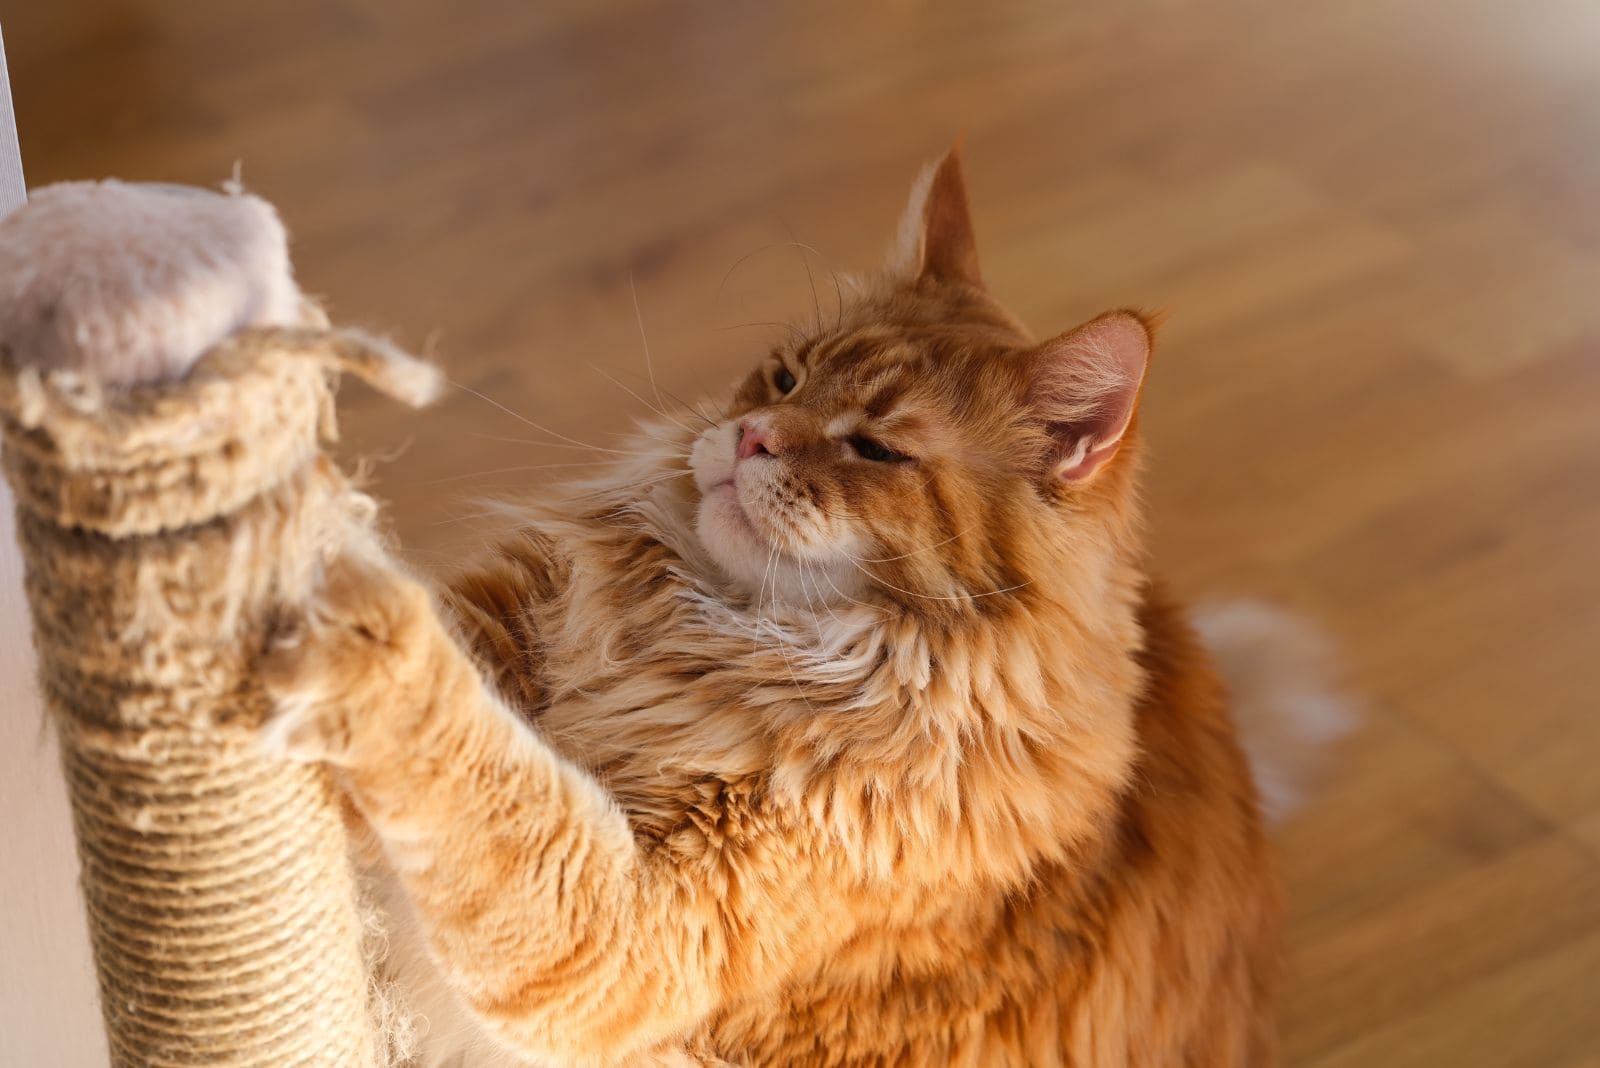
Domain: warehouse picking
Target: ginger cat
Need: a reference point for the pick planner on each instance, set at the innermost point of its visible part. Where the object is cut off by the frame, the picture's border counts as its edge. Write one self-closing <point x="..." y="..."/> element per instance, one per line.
<point x="867" y="741"/>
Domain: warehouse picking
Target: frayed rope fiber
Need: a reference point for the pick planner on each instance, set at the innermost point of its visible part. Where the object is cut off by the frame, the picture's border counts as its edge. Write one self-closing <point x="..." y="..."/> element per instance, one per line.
<point x="165" y="529"/>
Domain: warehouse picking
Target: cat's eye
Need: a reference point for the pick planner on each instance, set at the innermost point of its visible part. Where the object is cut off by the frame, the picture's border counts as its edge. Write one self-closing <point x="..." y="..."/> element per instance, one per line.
<point x="783" y="380"/>
<point x="876" y="451"/>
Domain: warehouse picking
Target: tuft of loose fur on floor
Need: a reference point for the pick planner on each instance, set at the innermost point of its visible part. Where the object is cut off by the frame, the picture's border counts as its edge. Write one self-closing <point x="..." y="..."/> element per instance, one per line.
<point x="846" y="726"/>
<point x="1286" y="697"/>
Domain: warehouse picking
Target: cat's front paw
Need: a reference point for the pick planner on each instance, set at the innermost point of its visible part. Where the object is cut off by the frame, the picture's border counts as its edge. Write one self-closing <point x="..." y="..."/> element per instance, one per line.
<point x="349" y="678"/>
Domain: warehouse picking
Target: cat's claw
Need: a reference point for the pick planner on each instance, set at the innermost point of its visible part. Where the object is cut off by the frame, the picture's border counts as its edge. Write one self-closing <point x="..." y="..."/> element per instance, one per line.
<point x="347" y="665"/>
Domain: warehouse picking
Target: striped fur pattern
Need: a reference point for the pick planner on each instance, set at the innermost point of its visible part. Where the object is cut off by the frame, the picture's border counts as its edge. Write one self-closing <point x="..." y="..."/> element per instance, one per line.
<point x="847" y="728"/>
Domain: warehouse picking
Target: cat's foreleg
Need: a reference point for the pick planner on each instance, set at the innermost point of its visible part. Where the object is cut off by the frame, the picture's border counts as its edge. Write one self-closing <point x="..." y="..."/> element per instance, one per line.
<point x="537" y="901"/>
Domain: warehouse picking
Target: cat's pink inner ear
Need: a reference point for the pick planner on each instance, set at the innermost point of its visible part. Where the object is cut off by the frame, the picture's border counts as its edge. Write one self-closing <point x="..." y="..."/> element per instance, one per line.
<point x="936" y="238"/>
<point x="1086" y="384"/>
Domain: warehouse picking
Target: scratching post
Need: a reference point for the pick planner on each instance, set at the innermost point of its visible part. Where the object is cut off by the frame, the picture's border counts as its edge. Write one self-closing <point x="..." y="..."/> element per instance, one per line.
<point x="162" y="431"/>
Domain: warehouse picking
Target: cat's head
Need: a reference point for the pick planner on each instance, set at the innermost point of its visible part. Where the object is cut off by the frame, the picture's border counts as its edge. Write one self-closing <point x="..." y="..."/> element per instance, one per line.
<point x="923" y="446"/>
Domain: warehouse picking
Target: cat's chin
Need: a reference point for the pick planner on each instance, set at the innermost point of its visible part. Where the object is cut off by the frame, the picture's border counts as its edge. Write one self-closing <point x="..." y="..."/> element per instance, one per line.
<point x="726" y="531"/>
<point x="753" y="563"/>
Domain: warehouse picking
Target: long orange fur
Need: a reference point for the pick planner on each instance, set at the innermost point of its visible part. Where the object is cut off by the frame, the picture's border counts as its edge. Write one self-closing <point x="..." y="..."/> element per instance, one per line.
<point x="950" y="782"/>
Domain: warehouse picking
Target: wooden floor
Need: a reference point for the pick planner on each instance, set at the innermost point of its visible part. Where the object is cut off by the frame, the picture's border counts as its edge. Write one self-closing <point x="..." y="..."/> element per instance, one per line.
<point x="1374" y="224"/>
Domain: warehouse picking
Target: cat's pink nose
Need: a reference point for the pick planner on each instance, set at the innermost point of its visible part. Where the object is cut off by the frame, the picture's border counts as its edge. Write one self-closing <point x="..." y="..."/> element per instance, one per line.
<point x="752" y="439"/>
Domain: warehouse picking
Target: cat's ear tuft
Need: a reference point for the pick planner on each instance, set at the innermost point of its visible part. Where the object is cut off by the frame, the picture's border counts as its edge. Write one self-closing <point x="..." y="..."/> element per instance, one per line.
<point x="1085" y="384"/>
<point x="936" y="238"/>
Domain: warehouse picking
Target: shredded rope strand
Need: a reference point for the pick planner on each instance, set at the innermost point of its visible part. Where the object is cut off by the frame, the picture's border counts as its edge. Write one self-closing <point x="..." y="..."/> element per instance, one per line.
<point x="164" y="530"/>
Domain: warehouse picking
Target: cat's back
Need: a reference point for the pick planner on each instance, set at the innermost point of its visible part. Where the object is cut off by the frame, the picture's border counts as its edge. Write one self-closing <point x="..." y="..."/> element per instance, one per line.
<point x="1165" y="931"/>
<point x="1180" y="923"/>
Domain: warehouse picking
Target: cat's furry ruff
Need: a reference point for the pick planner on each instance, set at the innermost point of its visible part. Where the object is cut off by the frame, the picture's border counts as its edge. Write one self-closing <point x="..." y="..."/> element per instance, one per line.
<point x="952" y="784"/>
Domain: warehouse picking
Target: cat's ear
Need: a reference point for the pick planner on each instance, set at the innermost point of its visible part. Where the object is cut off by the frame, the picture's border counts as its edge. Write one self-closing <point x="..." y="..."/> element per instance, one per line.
<point x="1085" y="383"/>
<point x="935" y="238"/>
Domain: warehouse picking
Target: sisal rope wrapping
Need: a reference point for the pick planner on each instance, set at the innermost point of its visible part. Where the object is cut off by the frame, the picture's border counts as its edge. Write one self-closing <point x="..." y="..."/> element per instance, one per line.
<point x="164" y="530"/>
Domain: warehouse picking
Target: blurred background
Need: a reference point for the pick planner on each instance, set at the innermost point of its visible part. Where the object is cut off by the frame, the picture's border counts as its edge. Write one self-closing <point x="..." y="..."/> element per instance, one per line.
<point x="1373" y="225"/>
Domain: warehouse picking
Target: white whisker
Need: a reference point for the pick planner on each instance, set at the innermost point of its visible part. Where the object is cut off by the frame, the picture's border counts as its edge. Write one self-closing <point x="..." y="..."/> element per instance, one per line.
<point x="874" y="609"/>
<point x="816" y="304"/>
<point x="915" y="552"/>
<point x="597" y="369"/>
<point x="524" y="419"/>
<point x="693" y="409"/>
<point x="577" y="446"/>
<point x="512" y="470"/>
<point x="623" y="488"/>
<point x="644" y="341"/>
<point x="935" y="596"/>
<point x="811" y="606"/>
<point x="777" y="632"/>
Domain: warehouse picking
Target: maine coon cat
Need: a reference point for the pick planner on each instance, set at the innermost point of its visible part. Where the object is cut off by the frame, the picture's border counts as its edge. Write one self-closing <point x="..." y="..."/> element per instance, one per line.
<point x="849" y="729"/>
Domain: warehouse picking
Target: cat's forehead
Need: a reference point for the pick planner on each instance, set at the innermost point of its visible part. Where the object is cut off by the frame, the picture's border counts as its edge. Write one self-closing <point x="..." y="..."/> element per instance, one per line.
<point x="878" y="365"/>
<point x="860" y="354"/>
<point x="873" y="373"/>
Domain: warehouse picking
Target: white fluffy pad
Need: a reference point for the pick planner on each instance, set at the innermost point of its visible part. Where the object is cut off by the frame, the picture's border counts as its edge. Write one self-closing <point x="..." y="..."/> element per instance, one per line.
<point x="131" y="283"/>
